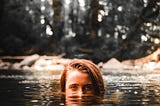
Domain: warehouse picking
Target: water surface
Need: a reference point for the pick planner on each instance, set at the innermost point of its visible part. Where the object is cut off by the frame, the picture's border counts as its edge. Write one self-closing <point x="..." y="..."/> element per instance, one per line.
<point x="41" y="88"/>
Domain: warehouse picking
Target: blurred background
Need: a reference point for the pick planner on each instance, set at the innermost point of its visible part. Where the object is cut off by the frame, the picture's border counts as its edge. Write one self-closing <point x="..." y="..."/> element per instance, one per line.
<point x="91" y="29"/>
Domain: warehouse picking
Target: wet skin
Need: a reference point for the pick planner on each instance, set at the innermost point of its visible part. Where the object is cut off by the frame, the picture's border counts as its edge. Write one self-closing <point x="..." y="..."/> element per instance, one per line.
<point x="78" y="84"/>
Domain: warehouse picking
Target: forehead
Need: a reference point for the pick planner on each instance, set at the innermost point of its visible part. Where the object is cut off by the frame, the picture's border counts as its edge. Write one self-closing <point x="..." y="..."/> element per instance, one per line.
<point x="77" y="77"/>
<point x="77" y="73"/>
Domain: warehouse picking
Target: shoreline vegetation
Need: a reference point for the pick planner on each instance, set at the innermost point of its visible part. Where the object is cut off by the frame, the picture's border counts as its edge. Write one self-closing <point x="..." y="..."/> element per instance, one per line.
<point x="51" y="63"/>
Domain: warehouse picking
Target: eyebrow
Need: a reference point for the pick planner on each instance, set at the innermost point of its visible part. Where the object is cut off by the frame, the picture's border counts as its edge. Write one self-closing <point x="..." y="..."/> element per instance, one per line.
<point x="88" y="84"/>
<point x="78" y="84"/>
<point x="73" y="84"/>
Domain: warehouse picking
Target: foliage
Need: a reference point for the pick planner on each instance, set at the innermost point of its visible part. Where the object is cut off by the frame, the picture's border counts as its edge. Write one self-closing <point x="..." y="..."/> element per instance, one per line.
<point x="97" y="30"/>
<point x="21" y="29"/>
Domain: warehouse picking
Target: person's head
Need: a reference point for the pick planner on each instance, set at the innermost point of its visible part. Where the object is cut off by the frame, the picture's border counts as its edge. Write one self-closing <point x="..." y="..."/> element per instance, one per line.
<point x="82" y="77"/>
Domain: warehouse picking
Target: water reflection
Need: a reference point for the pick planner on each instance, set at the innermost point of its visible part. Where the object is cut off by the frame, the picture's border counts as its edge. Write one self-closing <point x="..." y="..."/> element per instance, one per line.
<point x="83" y="100"/>
<point x="123" y="89"/>
<point x="140" y="88"/>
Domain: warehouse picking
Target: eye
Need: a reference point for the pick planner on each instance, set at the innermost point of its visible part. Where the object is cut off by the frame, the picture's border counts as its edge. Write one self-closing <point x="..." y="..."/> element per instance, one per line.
<point x="73" y="87"/>
<point x="88" y="87"/>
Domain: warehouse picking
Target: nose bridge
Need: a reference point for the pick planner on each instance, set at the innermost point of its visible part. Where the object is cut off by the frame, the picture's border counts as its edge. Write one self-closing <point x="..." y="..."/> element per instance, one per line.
<point x="81" y="91"/>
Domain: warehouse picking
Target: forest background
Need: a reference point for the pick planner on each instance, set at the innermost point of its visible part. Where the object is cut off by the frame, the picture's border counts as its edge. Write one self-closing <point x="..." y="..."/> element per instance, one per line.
<point x="92" y="29"/>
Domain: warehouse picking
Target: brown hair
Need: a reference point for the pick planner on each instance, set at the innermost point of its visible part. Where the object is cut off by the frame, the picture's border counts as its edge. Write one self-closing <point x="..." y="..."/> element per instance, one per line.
<point x="88" y="67"/>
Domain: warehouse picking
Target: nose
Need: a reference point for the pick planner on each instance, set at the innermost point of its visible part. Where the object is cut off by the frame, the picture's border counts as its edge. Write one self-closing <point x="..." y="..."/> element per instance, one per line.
<point x="80" y="92"/>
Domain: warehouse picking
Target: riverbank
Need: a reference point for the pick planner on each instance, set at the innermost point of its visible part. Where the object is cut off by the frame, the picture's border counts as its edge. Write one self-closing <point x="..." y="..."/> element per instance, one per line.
<point x="53" y="63"/>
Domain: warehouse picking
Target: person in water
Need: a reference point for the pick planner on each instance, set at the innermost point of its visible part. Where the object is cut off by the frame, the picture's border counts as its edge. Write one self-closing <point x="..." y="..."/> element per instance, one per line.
<point x="82" y="77"/>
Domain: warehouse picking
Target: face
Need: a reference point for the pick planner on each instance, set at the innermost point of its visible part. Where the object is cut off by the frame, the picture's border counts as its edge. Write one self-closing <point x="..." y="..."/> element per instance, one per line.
<point x="78" y="84"/>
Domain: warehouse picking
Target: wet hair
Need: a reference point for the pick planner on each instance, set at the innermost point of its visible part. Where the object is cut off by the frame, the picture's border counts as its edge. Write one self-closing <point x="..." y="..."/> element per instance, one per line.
<point x="85" y="66"/>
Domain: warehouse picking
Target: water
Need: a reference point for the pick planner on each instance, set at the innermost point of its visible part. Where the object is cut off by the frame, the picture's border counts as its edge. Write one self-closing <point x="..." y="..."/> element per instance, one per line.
<point x="41" y="88"/>
<point x="134" y="87"/>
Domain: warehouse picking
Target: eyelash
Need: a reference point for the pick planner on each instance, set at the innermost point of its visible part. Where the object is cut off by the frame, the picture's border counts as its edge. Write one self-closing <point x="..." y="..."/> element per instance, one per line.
<point x="87" y="87"/>
<point x="74" y="87"/>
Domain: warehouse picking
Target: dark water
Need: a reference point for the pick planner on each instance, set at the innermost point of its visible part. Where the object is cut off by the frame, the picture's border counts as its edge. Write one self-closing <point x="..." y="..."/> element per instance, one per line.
<point x="41" y="88"/>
